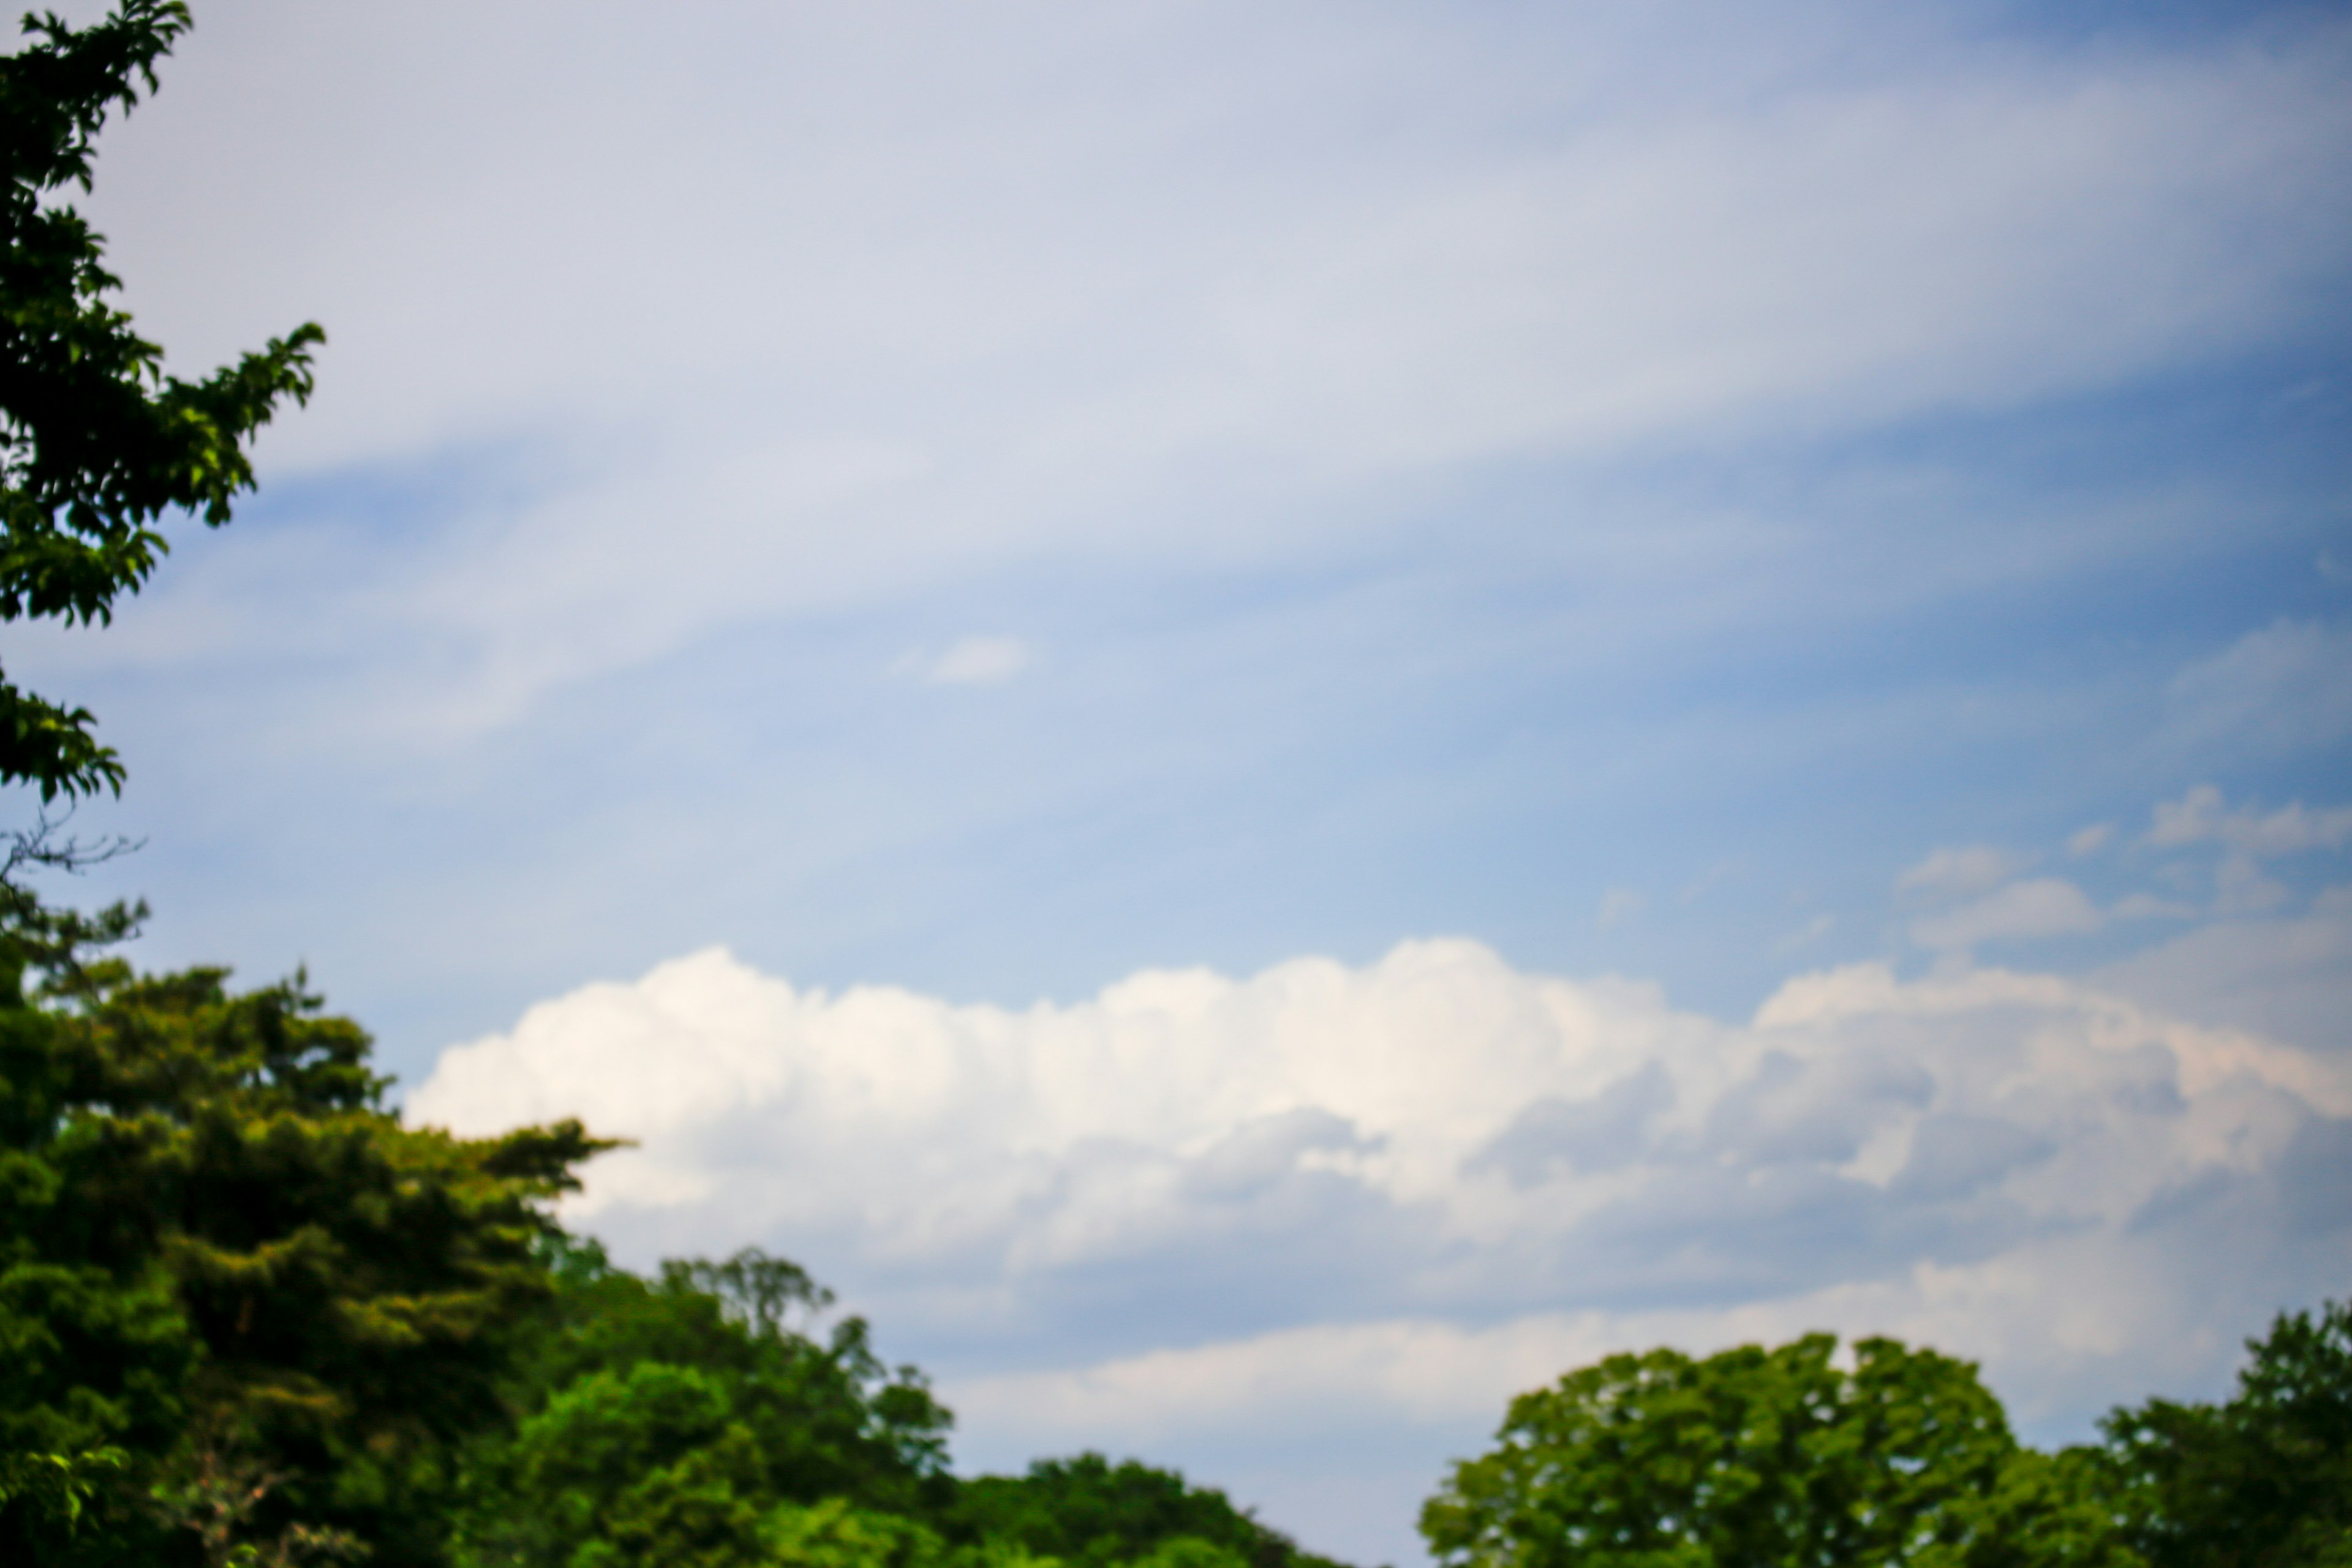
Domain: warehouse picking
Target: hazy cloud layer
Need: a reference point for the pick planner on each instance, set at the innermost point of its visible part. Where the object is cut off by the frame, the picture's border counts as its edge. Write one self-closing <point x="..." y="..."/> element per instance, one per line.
<point x="851" y="303"/>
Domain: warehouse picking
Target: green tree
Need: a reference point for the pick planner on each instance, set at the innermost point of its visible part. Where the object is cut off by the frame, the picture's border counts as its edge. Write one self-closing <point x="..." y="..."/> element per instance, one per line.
<point x="686" y="1417"/>
<point x="1089" y="1512"/>
<point x="2262" y="1481"/>
<point x="97" y="442"/>
<point x="234" y="1287"/>
<point x="1765" y="1458"/>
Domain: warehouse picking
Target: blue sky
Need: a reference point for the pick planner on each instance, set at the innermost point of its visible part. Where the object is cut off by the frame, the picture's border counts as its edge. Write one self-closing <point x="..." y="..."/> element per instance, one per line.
<point x="1756" y="530"/>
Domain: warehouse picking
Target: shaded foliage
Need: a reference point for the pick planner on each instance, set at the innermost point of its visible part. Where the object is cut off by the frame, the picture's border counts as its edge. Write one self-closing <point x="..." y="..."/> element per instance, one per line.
<point x="2261" y="1481"/>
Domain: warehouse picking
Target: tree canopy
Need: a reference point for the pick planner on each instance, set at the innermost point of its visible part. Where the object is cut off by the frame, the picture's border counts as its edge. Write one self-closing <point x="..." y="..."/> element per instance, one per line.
<point x="1795" y="1457"/>
<point x="97" y="441"/>
<point x="230" y="1275"/>
<point x="1089" y="1512"/>
<point x="2263" y="1480"/>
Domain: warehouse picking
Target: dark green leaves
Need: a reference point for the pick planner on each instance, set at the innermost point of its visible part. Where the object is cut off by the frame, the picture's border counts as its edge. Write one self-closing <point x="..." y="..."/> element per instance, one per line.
<point x="225" y="1263"/>
<point x="97" y="442"/>
<point x="2263" y="1481"/>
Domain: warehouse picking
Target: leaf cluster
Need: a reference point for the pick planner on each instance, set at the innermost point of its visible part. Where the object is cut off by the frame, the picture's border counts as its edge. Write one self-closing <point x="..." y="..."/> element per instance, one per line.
<point x="98" y="442"/>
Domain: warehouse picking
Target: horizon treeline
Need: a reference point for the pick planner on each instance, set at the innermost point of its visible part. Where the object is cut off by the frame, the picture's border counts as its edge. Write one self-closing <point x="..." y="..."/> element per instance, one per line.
<point x="249" y="1317"/>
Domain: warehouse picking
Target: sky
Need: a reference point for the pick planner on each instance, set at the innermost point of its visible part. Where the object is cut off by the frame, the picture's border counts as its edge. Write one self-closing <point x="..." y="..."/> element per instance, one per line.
<point x="1270" y="719"/>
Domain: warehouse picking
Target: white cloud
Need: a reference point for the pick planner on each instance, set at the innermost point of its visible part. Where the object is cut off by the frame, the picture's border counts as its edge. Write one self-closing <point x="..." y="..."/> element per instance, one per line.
<point x="2194" y="816"/>
<point x="979" y="661"/>
<point x="2283" y="688"/>
<point x="1958" y="871"/>
<point x="1201" y="1215"/>
<point x="2147" y="906"/>
<point x="2202" y="814"/>
<point x="1436" y="1132"/>
<point x="1618" y="905"/>
<point x="2046" y="1342"/>
<point x="2241" y="887"/>
<point x="2288" y="830"/>
<point x="2045" y="906"/>
<point x="2090" y="840"/>
<point x="2288" y="977"/>
<point x="1805" y="935"/>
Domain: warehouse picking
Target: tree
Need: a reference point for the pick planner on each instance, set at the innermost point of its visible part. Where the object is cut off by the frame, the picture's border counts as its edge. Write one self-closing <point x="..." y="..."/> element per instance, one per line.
<point x="248" y="1306"/>
<point x="2262" y="1481"/>
<point x="1090" y="1513"/>
<point x="1754" y="1458"/>
<point x="97" y="442"/>
<point x="696" y="1417"/>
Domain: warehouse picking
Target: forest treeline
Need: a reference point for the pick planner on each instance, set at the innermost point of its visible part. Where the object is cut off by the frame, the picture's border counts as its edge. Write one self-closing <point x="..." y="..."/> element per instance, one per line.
<point x="248" y="1316"/>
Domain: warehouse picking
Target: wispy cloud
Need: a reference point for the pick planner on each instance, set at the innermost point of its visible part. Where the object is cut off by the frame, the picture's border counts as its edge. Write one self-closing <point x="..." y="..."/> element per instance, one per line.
<point x="912" y="346"/>
<point x="2202" y="814"/>
<point x="1972" y="869"/>
<point x="2285" y="689"/>
<point x="979" y="661"/>
<point x="1618" y="906"/>
<point x="2047" y="906"/>
<point x="2090" y="840"/>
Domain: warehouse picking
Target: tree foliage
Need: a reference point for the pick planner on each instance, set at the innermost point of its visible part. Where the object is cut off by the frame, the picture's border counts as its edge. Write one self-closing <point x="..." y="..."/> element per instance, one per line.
<point x="718" y="1414"/>
<point x="97" y="441"/>
<point x="686" y="1416"/>
<point x="2261" y="1481"/>
<point x="1756" y="1458"/>
<point x="1785" y="1457"/>
<point x="1089" y="1512"/>
<point x="238" y="1295"/>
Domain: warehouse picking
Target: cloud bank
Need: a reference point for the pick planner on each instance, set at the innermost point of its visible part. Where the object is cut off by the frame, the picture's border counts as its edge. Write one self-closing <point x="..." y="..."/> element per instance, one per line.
<point x="1321" y="1196"/>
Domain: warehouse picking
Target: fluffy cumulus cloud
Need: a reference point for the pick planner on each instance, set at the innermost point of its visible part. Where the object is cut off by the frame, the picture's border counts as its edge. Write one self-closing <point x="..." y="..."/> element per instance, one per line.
<point x="1390" y="1195"/>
